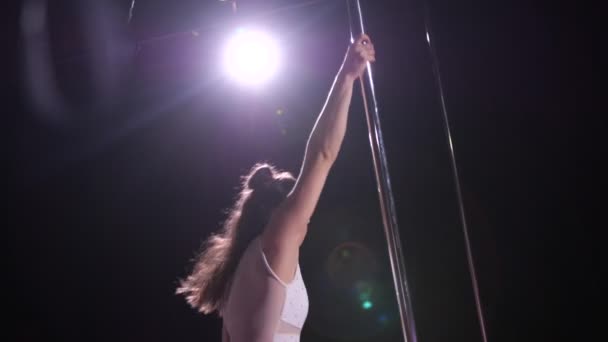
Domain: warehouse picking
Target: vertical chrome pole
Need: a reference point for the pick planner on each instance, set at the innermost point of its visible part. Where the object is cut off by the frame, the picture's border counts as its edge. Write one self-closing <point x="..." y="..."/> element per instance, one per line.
<point x="447" y="130"/>
<point x="387" y="206"/>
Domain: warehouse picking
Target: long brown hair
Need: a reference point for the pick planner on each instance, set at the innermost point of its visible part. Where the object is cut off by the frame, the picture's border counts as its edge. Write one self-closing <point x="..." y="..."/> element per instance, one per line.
<point x="262" y="190"/>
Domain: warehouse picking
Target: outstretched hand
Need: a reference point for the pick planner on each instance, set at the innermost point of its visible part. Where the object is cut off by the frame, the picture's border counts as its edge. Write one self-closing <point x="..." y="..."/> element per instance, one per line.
<point x="358" y="54"/>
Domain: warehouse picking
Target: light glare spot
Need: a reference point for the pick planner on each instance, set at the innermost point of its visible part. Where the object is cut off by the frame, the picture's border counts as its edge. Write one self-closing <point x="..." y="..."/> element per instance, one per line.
<point x="251" y="57"/>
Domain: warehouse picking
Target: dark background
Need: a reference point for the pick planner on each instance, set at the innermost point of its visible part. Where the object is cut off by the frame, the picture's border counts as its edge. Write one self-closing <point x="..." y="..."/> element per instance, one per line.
<point x="123" y="157"/>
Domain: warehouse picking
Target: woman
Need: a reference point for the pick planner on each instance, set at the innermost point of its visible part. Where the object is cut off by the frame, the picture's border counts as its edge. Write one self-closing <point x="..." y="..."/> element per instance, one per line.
<point x="249" y="273"/>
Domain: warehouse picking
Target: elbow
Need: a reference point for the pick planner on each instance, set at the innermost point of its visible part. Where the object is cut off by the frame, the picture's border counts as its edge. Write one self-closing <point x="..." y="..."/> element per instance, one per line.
<point x="328" y="156"/>
<point x="322" y="153"/>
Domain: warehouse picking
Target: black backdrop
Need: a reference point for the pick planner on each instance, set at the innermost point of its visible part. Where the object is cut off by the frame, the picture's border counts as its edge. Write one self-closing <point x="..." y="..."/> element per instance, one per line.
<point x="112" y="194"/>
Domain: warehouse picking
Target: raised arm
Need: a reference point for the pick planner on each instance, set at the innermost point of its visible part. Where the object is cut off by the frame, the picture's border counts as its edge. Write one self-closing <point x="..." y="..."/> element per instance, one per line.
<point x="289" y="223"/>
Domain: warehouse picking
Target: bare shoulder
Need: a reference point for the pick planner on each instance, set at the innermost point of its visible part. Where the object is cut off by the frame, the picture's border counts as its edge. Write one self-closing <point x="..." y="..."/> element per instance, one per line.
<point x="282" y="251"/>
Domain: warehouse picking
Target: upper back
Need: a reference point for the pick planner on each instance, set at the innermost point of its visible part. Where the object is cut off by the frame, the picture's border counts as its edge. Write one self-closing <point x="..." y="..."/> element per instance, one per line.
<point x="261" y="307"/>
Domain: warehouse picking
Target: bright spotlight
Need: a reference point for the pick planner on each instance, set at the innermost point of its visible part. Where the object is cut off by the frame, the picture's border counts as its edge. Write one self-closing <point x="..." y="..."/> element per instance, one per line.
<point x="251" y="57"/>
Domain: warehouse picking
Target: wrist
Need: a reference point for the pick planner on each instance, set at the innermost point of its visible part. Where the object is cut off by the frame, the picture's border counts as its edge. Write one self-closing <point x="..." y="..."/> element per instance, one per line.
<point x="346" y="77"/>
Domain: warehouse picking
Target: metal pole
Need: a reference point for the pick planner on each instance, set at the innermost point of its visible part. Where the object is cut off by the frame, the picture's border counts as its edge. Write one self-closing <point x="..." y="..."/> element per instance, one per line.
<point x="463" y="219"/>
<point x="387" y="206"/>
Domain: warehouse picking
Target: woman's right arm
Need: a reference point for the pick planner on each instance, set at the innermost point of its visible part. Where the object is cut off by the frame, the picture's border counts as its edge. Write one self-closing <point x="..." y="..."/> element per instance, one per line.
<point x="288" y="226"/>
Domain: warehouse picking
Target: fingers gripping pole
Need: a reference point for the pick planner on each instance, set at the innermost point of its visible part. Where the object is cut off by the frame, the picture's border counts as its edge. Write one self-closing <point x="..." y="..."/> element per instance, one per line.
<point x="387" y="206"/>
